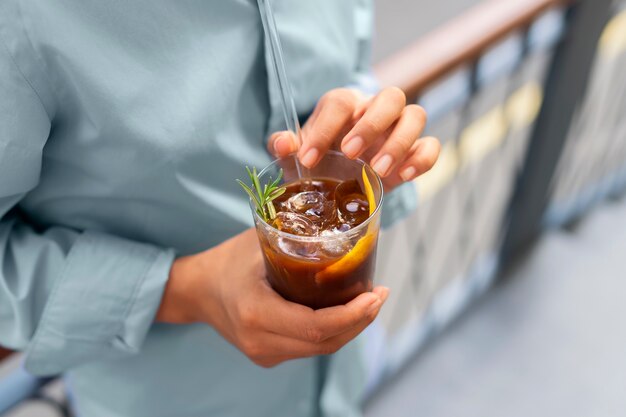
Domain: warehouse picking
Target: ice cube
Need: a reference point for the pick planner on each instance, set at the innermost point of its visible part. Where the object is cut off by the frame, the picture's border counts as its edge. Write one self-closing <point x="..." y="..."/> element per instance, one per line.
<point x="329" y="218"/>
<point x="296" y="224"/>
<point x="336" y="245"/>
<point x="316" y="207"/>
<point x="307" y="202"/>
<point x="298" y="249"/>
<point x="351" y="203"/>
<point x="343" y="227"/>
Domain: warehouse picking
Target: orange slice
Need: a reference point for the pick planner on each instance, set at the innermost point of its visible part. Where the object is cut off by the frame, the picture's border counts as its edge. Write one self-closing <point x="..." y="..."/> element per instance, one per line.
<point x="369" y="192"/>
<point x="360" y="251"/>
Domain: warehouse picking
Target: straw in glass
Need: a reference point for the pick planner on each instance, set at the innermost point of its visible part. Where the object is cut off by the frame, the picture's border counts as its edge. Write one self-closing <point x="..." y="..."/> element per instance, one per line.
<point x="280" y="74"/>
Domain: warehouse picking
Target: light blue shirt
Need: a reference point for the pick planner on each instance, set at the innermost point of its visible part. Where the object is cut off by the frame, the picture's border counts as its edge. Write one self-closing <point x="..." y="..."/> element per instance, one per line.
<point x="122" y="128"/>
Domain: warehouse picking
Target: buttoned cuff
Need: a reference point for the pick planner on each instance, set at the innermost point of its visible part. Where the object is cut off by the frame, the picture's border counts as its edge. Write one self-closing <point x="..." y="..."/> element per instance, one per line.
<point x="102" y="305"/>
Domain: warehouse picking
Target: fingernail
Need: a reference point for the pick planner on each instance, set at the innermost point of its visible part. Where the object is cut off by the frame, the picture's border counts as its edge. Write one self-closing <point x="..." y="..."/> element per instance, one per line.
<point x="383" y="164"/>
<point x="382" y="292"/>
<point x="385" y="295"/>
<point x="279" y="143"/>
<point x="352" y="148"/>
<point x="310" y="157"/>
<point x="375" y="305"/>
<point x="408" y="174"/>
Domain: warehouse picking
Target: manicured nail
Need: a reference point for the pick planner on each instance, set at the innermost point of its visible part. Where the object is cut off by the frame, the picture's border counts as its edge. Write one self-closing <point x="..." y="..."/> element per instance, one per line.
<point x="352" y="148"/>
<point x="281" y="142"/>
<point x="383" y="164"/>
<point x="382" y="292"/>
<point x="408" y="174"/>
<point x="375" y="305"/>
<point x="310" y="157"/>
<point x="385" y="294"/>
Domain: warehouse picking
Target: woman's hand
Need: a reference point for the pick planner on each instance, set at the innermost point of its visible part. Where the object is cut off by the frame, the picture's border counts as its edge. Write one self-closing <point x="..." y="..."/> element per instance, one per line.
<point x="226" y="288"/>
<point x="382" y="130"/>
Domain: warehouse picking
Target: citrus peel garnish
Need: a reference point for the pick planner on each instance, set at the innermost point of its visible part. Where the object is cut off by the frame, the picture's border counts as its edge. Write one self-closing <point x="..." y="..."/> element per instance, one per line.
<point x="369" y="192"/>
<point x="357" y="255"/>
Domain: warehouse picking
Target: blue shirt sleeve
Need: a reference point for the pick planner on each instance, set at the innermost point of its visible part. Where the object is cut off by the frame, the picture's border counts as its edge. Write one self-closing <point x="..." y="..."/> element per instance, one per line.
<point x="67" y="297"/>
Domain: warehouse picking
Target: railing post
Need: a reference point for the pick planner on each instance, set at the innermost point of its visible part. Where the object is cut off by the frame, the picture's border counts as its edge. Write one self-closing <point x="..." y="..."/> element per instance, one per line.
<point x="566" y="87"/>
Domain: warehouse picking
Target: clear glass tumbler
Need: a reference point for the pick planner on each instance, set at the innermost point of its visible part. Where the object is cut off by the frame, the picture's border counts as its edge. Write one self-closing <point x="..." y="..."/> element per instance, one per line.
<point x="330" y="269"/>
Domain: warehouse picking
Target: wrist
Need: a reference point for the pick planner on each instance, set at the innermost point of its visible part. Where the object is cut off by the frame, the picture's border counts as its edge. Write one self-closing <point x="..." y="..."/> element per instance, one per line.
<point x="179" y="303"/>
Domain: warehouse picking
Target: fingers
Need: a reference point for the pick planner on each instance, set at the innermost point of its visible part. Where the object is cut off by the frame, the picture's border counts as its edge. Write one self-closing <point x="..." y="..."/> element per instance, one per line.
<point x="315" y="326"/>
<point x="400" y="142"/>
<point x="296" y="349"/>
<point x="337" y="320"/>
<point x="282" y="144"/>
<point x="382" y="114"/>
<point x="382" y="129"/>
<point x="284" y="348"/>
<point x="271" y="349"/>
<point x="421" y="159"/>
<point x="336" y="110"/>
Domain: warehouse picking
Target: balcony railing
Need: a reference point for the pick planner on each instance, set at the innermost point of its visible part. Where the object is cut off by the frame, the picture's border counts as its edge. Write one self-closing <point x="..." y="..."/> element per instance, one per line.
<point x="461" y="41"/>
<point x="494" y="89"/>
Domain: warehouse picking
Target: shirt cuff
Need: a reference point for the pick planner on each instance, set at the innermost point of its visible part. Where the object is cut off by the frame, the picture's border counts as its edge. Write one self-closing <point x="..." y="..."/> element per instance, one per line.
<point x="102" y="305"/>
<point x="399" y="204"/>
<point x="365" y="82"/>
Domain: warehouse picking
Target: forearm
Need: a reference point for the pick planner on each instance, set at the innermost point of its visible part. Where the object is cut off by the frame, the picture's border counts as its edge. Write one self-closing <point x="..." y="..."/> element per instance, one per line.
<point x="194" y="288"/>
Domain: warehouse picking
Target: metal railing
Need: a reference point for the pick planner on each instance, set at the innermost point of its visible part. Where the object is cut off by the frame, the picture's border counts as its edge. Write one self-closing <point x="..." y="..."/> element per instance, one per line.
<point x="566" y="90"/>
<point x="501" y="84"/>
<point x="461" y="41"/>
<point x="593" y="162"/>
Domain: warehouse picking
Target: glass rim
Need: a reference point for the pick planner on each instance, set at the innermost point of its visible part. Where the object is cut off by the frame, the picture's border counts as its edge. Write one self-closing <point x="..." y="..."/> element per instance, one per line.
<point x="339" y="235"/>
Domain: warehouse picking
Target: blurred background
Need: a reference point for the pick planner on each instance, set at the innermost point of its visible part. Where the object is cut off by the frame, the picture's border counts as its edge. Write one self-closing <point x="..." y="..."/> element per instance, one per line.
<point x="509" y="280"/>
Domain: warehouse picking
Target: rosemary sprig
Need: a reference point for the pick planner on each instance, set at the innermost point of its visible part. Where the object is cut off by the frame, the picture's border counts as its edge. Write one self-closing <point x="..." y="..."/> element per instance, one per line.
<point x="263" y="196"/>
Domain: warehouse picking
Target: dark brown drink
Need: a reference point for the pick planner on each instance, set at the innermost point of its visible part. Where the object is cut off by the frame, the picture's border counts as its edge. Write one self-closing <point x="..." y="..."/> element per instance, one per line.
<point x="320" y="253"/>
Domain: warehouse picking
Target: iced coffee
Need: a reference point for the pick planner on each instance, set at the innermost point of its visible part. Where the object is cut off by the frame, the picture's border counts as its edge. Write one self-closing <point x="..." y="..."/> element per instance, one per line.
<point x="319" y="233"/>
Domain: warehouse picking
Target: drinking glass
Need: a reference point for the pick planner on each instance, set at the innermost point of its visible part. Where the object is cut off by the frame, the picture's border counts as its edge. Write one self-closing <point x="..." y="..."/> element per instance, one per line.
<point x="330" y="269"/>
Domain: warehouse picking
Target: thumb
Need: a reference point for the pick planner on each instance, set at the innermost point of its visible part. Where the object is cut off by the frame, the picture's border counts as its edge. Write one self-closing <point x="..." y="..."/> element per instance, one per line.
<point x="282" y="144"/>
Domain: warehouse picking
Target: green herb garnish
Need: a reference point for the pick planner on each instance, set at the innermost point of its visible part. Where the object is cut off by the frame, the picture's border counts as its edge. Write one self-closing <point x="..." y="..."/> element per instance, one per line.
<point x="264" y="196"/>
